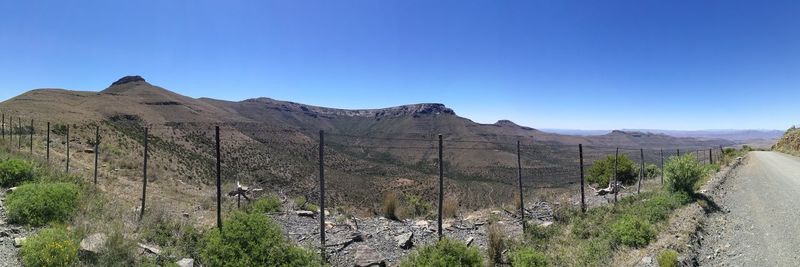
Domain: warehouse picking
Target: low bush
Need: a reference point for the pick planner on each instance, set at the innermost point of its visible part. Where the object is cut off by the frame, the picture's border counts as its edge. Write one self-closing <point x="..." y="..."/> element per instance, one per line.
<point x="632" y="231"/>
<point x="269" y="204"/>
<point x="42" y="203"/>
<point x="15" y="171"/>
<point x="682" y="173"/>
<point x="528" y="257"/>
<point x="667" y="258"/>
<point x="50" y="247"/>
<point x="444" y="253"/>
<point x="602" y="171"/>
<point x="249" y="239"/>
<point x="175" y="237"/>
<point x="302" y="203"/>
<point x="417" y="207"/>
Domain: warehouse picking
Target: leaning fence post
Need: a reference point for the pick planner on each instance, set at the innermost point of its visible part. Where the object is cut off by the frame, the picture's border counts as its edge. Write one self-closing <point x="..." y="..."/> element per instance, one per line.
<point x="615" y="187"/>
<point x="31" y="137"/>
<point x="96" y="151"/>
<point x="144" y="174"/>
<point x="441" y="189"/>
<point x="48" y="143"/>
<point x="67" y="142"/>
<point x="219" y="180"/>
<point x="322" y="196"/>
<point x="641" y="172"/>
<point x="519" y="180"/>
<point x="583" y="196"/>
<point x="662" y="166"/>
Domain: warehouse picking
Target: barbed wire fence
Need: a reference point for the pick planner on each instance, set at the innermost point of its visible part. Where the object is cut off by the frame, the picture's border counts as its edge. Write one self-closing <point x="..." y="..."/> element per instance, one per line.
<point x="441" y="166"/>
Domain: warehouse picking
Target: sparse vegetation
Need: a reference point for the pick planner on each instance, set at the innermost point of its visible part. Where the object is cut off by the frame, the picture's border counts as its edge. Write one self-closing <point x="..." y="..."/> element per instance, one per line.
<point x="417" y="207"/>
<point x="632" y="231"/>
<point x="445" y="253"/>
<point x="496" y="244"/>
<point x="42" y="203"/>
<point x="302" y="203"/>
<point x="391" y="206"/>
<point x="602" y="171"/>
<point x="249" y="239"/>
<point x="528" y="257"/>
<point x="52" y="246"/>
<point x="15" y="171"/>
<point x="450" y="208"/>
<point x="265" y="205"/>
<point x="668" y="258"/>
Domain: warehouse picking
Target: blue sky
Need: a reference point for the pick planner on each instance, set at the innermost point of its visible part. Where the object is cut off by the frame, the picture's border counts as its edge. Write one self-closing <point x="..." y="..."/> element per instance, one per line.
<point x="546" y="64"/>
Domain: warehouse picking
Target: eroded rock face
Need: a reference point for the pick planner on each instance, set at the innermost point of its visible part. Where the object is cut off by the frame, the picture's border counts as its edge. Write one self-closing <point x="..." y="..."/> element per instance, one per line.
<point x="405" y="241"/>
<point x="128" y="79"/>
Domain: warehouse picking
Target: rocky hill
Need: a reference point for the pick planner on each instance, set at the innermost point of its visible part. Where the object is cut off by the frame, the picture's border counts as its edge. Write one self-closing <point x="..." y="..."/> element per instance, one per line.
<point x="272" y="143"/>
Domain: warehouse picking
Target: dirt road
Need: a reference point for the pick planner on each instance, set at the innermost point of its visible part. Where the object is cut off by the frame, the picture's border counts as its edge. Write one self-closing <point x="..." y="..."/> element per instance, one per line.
<point x="760" y="220"/>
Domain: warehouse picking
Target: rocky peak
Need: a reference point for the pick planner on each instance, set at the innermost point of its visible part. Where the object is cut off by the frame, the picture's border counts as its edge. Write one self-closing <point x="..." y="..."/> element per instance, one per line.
<point x="128" y="79"/>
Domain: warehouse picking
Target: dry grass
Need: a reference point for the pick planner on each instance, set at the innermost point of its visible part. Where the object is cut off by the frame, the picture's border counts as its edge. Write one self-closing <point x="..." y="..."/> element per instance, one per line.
<point x="450" y="207"/>
<point x="391" y="206"/>
<point x="496" y="244"/>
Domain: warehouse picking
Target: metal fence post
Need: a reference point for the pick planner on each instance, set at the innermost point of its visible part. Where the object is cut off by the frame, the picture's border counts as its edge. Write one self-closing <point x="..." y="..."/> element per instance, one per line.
<point x="96" y="151"/>
<point x="67" y="142"/>
<point x="583" y="196"/>
<point x="441" y="189"/>
<point x="48" y="143"/>
<point x="710" y="156"/>
<point x="519" y="180"/>
<point x="662" y="166"/>
<point x="641" y="172"/>
<point x="219" y="180"/>
<point x="3" y="126"/>
<point x="144" y="174"/>
<point x="322" y="251"/>
<point x="19" y="137"/>
<point x="679" y="152"/>
<point x="31" y="137"/>
<point x="615" y="187"/>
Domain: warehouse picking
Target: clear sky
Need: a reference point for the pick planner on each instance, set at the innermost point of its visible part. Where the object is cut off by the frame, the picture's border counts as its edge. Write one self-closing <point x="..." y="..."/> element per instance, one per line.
<point x="691" y="64"/>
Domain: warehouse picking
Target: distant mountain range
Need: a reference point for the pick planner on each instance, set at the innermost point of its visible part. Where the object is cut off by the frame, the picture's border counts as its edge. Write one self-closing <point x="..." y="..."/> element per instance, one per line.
<point x="271" y="142"/>
<point x="732" y="135"/>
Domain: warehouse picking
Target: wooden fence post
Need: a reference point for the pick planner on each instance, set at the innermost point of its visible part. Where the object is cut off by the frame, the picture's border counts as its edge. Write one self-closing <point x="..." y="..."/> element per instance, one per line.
<point x="615" y="187"/>
<point x="441" y="188"/>
<point x="662" y="166"/>
<point x="219" y="179"/>
<point x="67" y="142"/>
<point x="96" y="151"/>
<point x="641" y="172"/>
<point x="47" y="145"/>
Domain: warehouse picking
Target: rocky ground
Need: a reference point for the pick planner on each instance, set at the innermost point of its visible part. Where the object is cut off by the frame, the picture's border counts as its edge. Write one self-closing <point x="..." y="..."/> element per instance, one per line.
<point x="10" y="237"/>
<point x="372" y="240"/>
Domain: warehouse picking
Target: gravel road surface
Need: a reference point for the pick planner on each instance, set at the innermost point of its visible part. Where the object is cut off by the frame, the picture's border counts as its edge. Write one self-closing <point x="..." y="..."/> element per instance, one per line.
<point x="760" y="222"/>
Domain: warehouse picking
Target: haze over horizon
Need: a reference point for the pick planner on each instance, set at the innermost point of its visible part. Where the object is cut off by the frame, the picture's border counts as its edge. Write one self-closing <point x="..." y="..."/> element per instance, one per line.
<point x="547" y="65"/>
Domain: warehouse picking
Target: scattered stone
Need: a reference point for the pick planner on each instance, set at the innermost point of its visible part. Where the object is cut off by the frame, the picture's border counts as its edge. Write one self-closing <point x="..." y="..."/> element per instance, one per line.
<point x="545" y="224"/>
<point x="186" y="215"/>
<point x="18" y="241"/>
<point x="11" y="189"/>
<point x="469" y="240"/>
<point x="647" y="260"/>
<point x="89" y="151"/>
<point x="151" y="249"/>
<point x="422" y="224"/>
<point x="185" y="262"/>
<point x="92" y="244"/>
<point x="367" y="256"/>
<point x="304" y="213"/>
<point x="404" y="241"/>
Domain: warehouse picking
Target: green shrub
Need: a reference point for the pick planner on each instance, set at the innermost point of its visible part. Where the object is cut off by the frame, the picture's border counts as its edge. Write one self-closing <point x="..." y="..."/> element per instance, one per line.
<point x="528" y="257"/>
<point x="668" y="258"/>
<point x="594" y="252"/>
<point x="173" y="236"/>
<point x="250" y="239"/>
<point x="269" y="204"/>
<point x="417" y="207"/>
<point x="632" y="231"/>
<point x="682" y="173"/>
<point x="302" y="203"/>
<point x="651" y="171"/>
<point x="444" y="253"/>
<point x="602" y="171"/>
<point x="656" y="207"/>
<point x="50" y="247"/>
<point x="15" y="171"/>
<point x="43" y="203"/>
